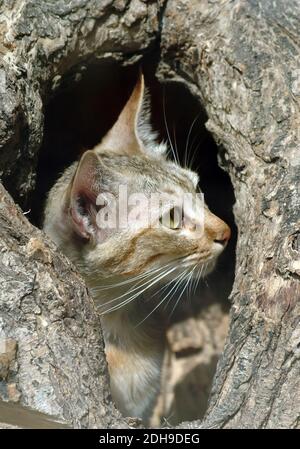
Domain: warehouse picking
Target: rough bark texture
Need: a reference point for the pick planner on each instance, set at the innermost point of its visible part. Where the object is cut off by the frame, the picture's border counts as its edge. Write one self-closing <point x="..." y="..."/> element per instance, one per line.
<point x="51" y="348"/>
<point x="241" y="59"/>
<point x="40" y="42"/>
<point x="51" y="356"/>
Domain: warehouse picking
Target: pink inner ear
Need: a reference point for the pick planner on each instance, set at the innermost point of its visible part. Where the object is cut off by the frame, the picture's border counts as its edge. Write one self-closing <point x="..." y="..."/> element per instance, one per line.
<point x="83" y="216"/>
<point x="78" y="223"/>
<point x="85" y="190"/>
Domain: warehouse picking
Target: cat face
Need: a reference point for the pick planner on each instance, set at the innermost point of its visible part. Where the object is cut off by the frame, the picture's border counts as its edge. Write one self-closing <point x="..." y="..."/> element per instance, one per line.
<point x="171" y="237"/>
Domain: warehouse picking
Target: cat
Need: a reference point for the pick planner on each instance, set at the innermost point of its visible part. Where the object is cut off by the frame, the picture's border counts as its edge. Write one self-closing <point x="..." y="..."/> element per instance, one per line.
<point x="123" y="265"/>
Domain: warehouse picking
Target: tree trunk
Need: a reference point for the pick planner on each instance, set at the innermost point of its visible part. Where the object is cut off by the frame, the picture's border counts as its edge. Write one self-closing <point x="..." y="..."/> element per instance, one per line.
<point x="51" y="348"/>
<point x="51" y="356"/>
<point x="241" y="59"/>
<point x="40" y="43"/>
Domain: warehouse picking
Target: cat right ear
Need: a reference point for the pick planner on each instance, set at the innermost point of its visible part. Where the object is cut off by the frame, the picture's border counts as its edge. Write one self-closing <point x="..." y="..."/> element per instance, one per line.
<point x="123" y="137"/>
<point x="83" y="195"/>
<point x="132" y="133"/>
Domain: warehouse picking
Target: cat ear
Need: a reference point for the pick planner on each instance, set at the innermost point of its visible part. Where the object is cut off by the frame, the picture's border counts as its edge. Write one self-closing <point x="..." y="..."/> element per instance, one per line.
<point x="83" y="194"/>
<point x="123" y="137"/>
<point x="132" y="133"/>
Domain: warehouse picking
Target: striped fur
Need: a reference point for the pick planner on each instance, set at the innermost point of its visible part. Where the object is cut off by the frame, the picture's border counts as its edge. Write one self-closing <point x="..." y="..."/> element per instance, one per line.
<point x="135" y="263"/>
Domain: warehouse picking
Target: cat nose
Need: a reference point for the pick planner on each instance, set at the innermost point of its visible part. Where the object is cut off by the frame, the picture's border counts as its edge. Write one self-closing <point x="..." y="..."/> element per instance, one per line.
<point x="216" y="229"/>
<point x="223" y="235"/>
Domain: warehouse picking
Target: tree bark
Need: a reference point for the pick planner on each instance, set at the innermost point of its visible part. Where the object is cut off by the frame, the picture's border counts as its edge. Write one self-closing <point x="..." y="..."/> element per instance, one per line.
<point x="52" y="357"/>
<point x="241" y="59"/>
<point x="51" y="347"/>
<point x="40" y="43"/>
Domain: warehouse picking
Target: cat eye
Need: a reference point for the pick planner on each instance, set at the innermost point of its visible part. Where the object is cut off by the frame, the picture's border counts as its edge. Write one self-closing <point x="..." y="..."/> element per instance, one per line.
<point x="173" y="219"/>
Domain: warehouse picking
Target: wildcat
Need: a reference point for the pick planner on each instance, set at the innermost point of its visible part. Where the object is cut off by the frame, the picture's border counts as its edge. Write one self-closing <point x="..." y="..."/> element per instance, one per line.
<point x="126" y="267"/>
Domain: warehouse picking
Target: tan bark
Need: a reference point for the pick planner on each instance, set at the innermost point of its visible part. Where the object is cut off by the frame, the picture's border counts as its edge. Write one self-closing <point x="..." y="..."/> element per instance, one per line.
<point x="241" y="59"/>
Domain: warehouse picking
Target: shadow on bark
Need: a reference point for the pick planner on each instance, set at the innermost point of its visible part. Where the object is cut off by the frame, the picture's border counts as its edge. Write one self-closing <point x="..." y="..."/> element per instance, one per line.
<point x="240" y="60"/>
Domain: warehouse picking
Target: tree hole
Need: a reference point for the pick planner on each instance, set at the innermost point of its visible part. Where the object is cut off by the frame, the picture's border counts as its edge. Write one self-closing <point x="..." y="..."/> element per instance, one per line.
<point x="77" y="116"/>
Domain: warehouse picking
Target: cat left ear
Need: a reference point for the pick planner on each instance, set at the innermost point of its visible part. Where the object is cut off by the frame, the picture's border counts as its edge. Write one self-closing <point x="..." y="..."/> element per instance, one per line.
<point x="123" y="137"/>
<point x="83" y="195"/>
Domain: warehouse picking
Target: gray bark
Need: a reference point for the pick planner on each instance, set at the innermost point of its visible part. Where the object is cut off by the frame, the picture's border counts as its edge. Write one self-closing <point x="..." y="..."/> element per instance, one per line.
<point x="40" y="42"/>
<point x="51" y="347"/>
<point x="241" y="59"/>
<point x="52" y="357"/>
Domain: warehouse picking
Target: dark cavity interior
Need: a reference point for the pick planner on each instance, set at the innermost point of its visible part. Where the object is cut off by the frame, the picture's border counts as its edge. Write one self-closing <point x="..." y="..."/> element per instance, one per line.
<point x="76" y="118"/>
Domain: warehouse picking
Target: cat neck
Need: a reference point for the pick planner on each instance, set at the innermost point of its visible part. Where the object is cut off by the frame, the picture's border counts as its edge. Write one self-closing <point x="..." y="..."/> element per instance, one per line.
<point x="134" y="324"/>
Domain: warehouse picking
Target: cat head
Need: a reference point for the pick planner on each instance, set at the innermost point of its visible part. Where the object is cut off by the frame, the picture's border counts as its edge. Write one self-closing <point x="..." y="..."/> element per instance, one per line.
<point x="191" y="238"/>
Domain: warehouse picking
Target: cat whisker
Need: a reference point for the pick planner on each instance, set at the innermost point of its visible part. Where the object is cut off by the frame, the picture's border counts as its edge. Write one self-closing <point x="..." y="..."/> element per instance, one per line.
<point x="175" y="143"/>
<point x="188" y="278"/>
<point x="175" y="287"/>
<point x="199" y="275"/>
<point x="141" y="277"/>
<point x="194" y="152"/>
<point x="136" y="286"/>
<point x="196" y="280"/>
<point x="177" y="283"/>
<point x="152" y="311"/>
<point x="130" y="280"/>
<point x="141" y="289"/>
<point x="136" y="295"/>
<point x="172" y="292"/>
<point x="164" y="287"/>
<point x="188" y="139"/>
<point x="167" y="130"/>
<point x="193" y="281"/>
<point x="144" y="284"/>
